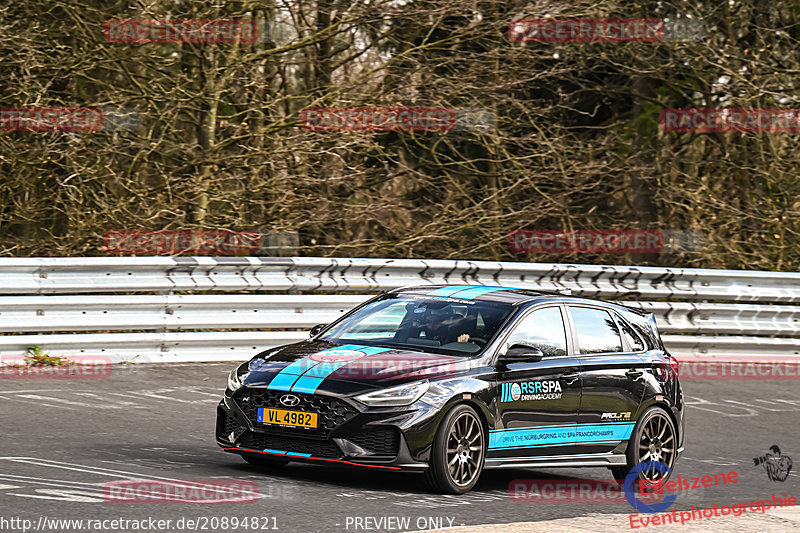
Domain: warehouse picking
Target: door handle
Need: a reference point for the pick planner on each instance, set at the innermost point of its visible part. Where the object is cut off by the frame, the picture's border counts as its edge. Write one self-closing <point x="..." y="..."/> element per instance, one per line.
<point x="569" y="377"/>
<point x="634" y="374"/>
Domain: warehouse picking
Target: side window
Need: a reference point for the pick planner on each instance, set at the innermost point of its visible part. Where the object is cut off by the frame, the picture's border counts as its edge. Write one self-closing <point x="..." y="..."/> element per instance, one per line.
<point x="596" y="331"/>
<point x="635" y="342"/>
<point x="543" y="329"/>
<point x="646" y="334"/>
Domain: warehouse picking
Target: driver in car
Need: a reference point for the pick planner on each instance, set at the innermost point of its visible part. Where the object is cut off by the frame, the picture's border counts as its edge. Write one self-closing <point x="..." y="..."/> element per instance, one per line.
<point x="438" y="325"/>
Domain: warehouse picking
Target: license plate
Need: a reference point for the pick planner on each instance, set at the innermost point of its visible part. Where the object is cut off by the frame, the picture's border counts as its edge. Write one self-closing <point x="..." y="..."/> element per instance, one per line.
<point x="287" y="418"/>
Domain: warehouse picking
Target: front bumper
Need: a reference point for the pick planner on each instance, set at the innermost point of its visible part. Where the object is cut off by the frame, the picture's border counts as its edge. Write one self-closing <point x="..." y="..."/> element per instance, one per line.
<point x="347" y="433"/>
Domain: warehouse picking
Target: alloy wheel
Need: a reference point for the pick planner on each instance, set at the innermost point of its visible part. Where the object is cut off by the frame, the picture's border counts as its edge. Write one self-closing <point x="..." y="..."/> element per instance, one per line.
<point x="657" y="443"/>
<point x="464" y="449"/>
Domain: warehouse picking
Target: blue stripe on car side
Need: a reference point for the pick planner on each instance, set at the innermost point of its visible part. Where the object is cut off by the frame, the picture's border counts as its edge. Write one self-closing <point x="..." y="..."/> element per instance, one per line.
<point x="270" y="450"/>
<point x="543" y="436"/>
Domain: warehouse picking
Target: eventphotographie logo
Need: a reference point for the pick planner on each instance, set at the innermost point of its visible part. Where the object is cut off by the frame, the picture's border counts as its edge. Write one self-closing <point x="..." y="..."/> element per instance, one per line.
<point x="777" y="465"/>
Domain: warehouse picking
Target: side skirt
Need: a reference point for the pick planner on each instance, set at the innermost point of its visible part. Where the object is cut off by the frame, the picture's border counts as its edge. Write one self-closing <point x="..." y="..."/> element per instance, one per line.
<point x="590" y="459"/>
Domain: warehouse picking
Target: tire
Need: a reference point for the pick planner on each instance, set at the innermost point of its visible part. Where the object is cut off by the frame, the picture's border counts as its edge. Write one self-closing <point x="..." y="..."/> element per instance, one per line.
<point x="653" y="438"/>
<point x="264" y="461"/>
<point x="458" y="452"/>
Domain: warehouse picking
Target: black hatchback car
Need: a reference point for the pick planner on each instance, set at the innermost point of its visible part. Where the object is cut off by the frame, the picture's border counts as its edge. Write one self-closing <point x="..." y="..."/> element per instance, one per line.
<point x="449" y="380"/>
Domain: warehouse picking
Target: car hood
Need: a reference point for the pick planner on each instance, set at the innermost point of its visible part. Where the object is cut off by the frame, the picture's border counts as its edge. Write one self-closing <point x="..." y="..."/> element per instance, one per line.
<point x="344" y="369"/>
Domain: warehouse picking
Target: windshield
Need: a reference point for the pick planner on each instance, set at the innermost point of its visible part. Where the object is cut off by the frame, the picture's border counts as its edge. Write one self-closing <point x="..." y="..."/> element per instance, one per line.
<point x="429" y="323"/>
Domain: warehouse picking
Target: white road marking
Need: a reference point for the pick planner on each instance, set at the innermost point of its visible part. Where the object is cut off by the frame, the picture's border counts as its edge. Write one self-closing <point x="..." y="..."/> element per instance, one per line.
<point x="121" y="403"/>
<point x="69" y="402"/>
<point x="152" y="463"/>
<point x="100" y="471"/>
<point x="159" y="397"/>
<point x="217" y="395"/>
<point x="49" y="481"/>
<point x="698" y="403"/>
<point x="89" y="399"/>
<point x="59" y="495"/>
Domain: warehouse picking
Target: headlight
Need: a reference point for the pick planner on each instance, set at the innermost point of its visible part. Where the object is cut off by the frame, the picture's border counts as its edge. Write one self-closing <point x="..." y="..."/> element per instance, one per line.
<point x="395" y="396"/>
<point x="233" y="379"/>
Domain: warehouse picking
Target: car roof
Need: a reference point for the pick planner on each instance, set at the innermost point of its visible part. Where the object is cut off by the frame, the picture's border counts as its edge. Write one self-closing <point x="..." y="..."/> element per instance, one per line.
<point x="507" y="295"/>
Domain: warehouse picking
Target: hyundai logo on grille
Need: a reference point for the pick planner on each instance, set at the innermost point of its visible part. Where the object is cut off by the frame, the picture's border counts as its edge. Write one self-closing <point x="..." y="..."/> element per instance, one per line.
<point x="289" y="400"/>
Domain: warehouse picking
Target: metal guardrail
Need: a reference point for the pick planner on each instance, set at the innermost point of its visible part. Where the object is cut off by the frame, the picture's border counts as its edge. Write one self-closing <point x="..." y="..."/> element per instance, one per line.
<point x="702" y="313"/>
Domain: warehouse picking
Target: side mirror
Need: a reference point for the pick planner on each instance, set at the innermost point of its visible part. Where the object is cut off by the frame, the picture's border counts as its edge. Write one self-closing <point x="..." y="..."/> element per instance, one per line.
<point x="316" y="329"/>
<point x="522" y="353"/>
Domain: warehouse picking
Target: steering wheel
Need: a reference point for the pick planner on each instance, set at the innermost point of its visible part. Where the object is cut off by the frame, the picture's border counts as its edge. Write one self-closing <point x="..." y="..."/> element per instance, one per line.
<point x="477" y="340"/>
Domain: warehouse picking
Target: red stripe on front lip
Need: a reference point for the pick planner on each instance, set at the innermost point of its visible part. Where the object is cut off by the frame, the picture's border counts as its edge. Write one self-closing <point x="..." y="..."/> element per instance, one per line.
<point x="316" y="459"/>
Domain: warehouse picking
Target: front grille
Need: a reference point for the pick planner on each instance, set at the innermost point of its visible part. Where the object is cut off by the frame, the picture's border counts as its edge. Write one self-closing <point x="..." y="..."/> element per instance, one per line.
<point x="377" y="441"/>
<point x="332" y="412"/>
<point x="230" y="424"/>
<point x="320" y="448"/>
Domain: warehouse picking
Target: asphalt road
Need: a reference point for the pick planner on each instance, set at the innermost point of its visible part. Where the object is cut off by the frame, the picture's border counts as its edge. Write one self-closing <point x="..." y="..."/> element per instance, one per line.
<point x="63" y="440"/>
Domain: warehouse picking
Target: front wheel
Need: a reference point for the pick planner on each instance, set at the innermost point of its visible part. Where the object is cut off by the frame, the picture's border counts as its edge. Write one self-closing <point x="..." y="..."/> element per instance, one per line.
<point x="653" y="439"/>
<point x="457" y="453"/>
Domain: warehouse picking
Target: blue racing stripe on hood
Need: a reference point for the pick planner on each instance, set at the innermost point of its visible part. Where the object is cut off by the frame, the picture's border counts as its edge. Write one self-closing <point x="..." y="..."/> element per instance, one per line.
<point x="311" y="380"/>
<point x="306" y="374"/>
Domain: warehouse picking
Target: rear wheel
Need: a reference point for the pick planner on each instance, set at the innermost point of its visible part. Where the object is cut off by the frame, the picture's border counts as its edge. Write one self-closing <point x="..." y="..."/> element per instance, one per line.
<point x="264" y="461"/>
<point x="457" y="453"/>
<point x="653" y="439"/>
